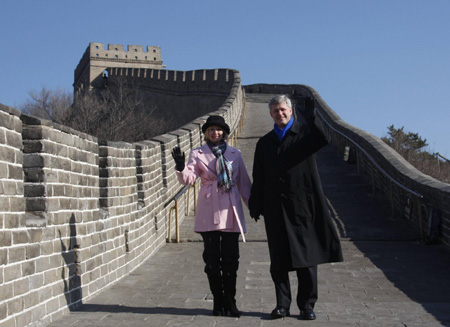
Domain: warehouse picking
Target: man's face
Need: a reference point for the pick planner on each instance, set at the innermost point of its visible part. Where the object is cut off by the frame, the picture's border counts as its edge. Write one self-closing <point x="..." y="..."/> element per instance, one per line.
<point x="281" y="114"/>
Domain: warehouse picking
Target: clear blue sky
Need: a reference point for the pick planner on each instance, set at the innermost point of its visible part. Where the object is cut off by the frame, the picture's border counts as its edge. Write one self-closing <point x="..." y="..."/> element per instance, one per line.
<point x="375" y="62"/>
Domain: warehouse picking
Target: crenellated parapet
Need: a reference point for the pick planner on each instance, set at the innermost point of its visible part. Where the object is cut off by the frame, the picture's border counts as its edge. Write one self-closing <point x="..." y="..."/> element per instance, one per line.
<point x="201" y="82"/>
<point x="96" y="59"/>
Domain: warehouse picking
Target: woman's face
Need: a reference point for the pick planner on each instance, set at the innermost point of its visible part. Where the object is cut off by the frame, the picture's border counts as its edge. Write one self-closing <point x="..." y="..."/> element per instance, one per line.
<point x="214" y="134"/>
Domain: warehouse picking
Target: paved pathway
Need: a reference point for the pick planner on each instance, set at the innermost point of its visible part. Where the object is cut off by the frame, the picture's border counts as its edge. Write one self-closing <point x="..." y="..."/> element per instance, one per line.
<point x="388" y="277"/>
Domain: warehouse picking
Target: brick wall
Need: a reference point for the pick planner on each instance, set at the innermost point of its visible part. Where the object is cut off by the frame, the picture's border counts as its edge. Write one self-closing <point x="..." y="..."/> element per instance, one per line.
<point x="14" y="237"/>
<point x="78" y="213"/>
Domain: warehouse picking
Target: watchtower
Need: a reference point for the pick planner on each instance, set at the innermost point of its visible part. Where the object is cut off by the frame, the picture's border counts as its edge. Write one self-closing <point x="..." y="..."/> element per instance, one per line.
<point x="91" y="69"/>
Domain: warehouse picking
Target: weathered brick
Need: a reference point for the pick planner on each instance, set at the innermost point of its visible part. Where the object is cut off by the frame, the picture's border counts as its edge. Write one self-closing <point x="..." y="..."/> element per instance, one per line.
<point x="36" y="204"/>
<point x="7" y="154"/>
<point x="31" y="299"/>
<point x="15" y="172"/>
<point x="21" y="286"/>
<point x="52" y="305"/>
<point x="36" y="282"/>
<point x="14" y="306"/>
<point x="20" y="237"/>
<point x="24" y="319"/>
<point x="16" y="254"/>
<point x="6" y="291"/>
<point x="3" y="311"/>
<point x="53" y="204"/>
<point x="28" y="267"/>
<point x="34" y="175"/>
<point x="63" y="177"/>
<point x="10" y="322"/>
<point x="33" y="161"/>
<point x="7" y="120"/>
<point x="35" y="219"/>
<point x="34" y="190"/>
<point x="17" y="204"/>
<point x="5" y="238"/>
<point x="38" y="313"/>
<point x="49" y="234"/>
<point x="4" y="170"/>
<point x="56" y="261"/>
<point x="14" y="139"/>
<point x="31" y="146"/>
<point x="33" y="251"/>
<point x="42" y="264"/>
<point x="12" y="272"/>
<point x="51" y="176"/>
<point x="32" y="133"/>
<point x="36" y="235"/>
<point x="3" y="259"/>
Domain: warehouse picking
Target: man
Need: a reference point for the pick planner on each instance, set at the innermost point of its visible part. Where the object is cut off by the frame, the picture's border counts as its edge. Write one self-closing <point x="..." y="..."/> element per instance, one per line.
<point x="287" y="191"/>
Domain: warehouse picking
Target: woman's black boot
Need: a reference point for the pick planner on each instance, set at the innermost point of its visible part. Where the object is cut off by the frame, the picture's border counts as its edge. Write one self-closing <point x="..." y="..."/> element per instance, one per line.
<point x="230" y="307"/>
<point x="215" y="284"/>
<point x="218" y="306"/>
<point x="229" y="289"/>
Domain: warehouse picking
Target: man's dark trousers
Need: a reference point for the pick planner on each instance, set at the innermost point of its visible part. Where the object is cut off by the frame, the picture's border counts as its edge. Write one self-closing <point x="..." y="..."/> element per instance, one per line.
<point x="306" y="292"/>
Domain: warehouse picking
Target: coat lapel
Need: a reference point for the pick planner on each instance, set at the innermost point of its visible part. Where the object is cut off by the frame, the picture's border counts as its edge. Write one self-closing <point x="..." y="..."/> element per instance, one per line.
<point x="230" y="154"/>
<point x="207" y="157"/>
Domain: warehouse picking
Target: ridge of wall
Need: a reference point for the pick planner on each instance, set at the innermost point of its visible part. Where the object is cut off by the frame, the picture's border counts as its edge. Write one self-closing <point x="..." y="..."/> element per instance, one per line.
<point x="425" y="203"/>
<point x="78" y="213"/>
<point x="210" y="81"/>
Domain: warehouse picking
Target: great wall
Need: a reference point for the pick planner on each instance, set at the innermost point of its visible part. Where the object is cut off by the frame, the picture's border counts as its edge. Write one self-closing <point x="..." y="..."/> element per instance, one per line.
<point x="79" y="213"/>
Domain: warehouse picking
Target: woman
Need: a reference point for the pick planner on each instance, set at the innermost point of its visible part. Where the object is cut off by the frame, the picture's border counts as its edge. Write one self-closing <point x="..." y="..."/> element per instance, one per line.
<point x="219" y="215"/>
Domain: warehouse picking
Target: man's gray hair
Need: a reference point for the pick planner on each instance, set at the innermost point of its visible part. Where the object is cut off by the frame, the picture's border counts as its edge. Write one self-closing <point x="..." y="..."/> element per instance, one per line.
<point x="280" y="99"/>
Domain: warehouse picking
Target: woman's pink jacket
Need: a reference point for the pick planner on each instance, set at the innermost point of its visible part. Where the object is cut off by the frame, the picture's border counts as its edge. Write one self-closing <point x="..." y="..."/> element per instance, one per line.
<point x="216" y="209"/>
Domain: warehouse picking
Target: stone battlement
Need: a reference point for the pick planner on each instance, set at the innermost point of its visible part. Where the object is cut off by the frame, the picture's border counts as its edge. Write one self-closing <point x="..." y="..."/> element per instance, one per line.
<point x="117" y="51"/>
<point x="96" y="59"/>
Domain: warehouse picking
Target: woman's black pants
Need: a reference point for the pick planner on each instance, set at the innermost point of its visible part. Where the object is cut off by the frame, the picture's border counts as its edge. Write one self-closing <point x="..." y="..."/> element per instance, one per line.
<point x="221" y="257"/>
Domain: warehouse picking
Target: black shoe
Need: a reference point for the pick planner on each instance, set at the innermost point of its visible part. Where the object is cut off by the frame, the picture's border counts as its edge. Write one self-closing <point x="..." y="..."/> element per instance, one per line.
<point x="307" y="314"/>
<point x="280" y="312"/>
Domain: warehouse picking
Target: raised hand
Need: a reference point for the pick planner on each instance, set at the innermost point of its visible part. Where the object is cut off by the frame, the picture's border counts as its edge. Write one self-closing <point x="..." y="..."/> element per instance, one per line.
<point x="179" y="158"/>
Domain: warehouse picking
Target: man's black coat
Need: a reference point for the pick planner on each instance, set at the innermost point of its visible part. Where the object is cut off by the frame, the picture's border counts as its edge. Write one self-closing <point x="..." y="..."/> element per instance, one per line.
<point x="287" y="191"/>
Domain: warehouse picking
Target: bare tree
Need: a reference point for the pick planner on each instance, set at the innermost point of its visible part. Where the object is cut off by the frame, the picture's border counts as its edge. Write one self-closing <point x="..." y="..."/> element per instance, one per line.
<point x="118" y="112"/>
<point x="48" y="104"/>
<point x="87" y="113"/>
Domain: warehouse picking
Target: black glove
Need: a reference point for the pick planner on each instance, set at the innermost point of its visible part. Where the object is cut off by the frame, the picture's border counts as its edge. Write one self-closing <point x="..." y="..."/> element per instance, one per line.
<point x="179" y="158"/>
<point x="308" y="111"/>
<point x="310" y="103"/>
<point x="254" y="215"/>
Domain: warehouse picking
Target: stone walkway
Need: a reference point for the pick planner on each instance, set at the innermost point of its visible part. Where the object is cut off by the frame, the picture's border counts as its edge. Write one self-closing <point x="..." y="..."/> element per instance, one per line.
<point x="388" y="278"/>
